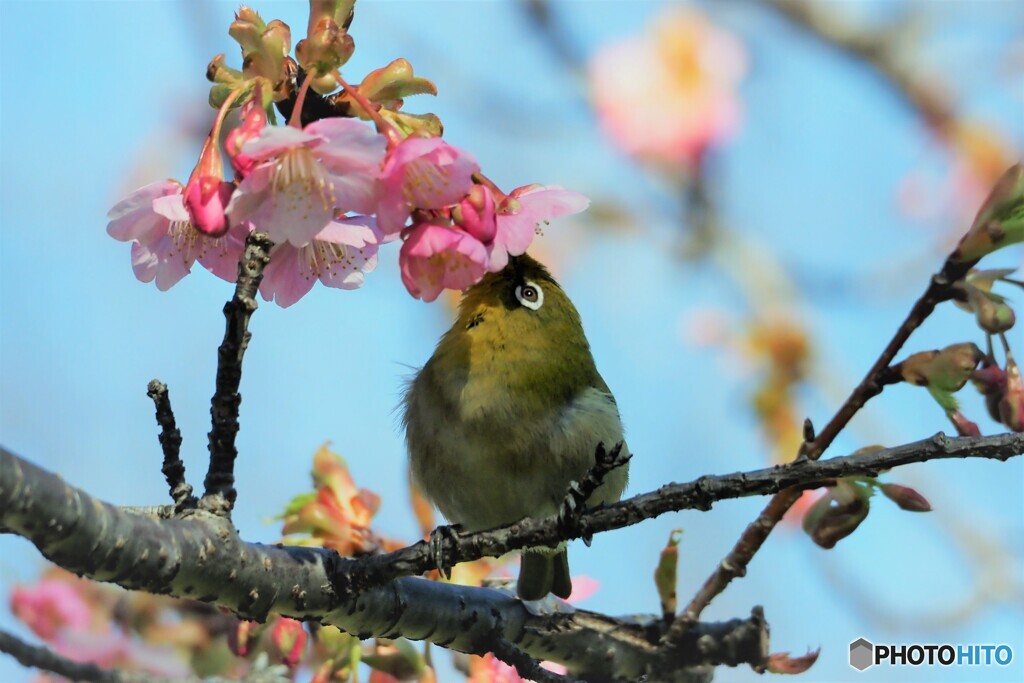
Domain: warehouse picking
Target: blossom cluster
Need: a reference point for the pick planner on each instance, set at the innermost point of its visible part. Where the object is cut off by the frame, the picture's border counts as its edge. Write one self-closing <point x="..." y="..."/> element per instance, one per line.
<point x="329" y="193"/>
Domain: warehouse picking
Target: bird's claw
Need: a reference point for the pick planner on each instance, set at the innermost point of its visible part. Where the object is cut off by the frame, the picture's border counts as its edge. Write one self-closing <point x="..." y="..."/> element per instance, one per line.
<point x="569" y="511"/>
<point x="436" y="545"/>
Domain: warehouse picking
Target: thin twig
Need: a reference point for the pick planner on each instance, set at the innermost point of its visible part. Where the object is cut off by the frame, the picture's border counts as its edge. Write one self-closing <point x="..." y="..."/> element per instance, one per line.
<point x="875" y="49"/>
<point x="699" y="494"/>
<point x="170" y="442"/>
<point x="529" y="669"/>
<point x="220" y="492"/>
<point x="735" y="563"/>
<point x="45" y="659"/>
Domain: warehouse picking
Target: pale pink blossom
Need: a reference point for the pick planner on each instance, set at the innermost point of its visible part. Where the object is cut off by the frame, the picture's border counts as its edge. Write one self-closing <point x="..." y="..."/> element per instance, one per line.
<point x="303" y="177"/>
<point x="120" y="651"/>
<point x="582" y="588"/>
<point x="51" y="607"/>
<point x="164" y="243"/>
<point x="338" y="257"/>
<point x="671" y="92"/>
<point x="422" y="173"/>
<point x="522" y="212"/>
<point x="437" y="257"/>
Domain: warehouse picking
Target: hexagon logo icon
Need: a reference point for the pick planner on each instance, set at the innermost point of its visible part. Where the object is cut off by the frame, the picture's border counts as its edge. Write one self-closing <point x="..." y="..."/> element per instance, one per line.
<point x="862" y="654"/>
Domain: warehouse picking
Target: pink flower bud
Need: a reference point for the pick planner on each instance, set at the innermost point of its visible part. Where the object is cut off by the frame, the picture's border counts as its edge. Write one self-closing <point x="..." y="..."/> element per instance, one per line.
<point x="964" y="427"/>
<point x="207" y="194"/>
<point x="254" y="118"/>
<point x="475" y="214"/>
<point x="990" y="381"/>
<point x="289" y="638"/>
<point x="906" y="497"/>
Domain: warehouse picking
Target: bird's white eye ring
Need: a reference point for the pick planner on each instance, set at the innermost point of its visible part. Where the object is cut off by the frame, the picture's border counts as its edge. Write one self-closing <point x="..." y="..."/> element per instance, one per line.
<point x="530" y="295"/>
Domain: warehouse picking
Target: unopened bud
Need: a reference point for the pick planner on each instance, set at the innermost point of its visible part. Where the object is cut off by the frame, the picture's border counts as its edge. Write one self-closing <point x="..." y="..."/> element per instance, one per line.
<point x="946" y="370"/>
<point x="475" y="214"/>
<point x="289" y="638"/>
<point x="395" y="82"/>
<point x="398" y="658"/>
<point x="427" y="125"/>
<point x="999" y="222"/>
<point x="837" y="514"/>
<point x="207" y="194"/>
<point x="1011" y="406"/>
<point x="906" y="497"/>
<point x="964" y="427"/>
<point x="990" y="381"/>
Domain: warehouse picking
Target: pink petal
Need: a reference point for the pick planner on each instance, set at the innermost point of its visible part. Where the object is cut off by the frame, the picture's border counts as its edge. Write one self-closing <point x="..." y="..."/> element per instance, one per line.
<point x="434" y="174"/>
<point x="273" y="140"/>
<point x="285" y="281"/>
<point x="434" y="258"/>
<point x="135" y="217"/>
<point x="172" y="207"/>
<point x="221" y="256"/>
<point x="551" y="201"/>
<point x="348" y="145"/>
<point x="356" y="192"/>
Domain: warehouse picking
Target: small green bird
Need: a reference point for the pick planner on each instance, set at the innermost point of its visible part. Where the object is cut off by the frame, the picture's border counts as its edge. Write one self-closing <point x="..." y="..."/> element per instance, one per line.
<point x="508" y="411"/>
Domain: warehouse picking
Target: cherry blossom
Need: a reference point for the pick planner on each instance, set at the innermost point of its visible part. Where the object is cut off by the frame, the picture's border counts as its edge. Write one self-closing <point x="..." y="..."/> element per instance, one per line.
<point x="303" y="177"/>
<point x="422" y="173"/>
<point x="525" y="208"/>
<point x="669" y="93"/>
<point x="164" y="243"/>
<point x="50" y="607"/>
<point x="437" y="257"/>
<point x="338" y="257"/>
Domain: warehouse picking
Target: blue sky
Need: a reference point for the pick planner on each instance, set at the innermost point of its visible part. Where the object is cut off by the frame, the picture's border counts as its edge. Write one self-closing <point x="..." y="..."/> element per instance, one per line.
<point x="94" y="96"/>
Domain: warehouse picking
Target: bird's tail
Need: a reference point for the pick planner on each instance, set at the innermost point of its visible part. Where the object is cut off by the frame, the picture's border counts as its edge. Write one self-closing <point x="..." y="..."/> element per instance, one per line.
<point x="542" y="573"/>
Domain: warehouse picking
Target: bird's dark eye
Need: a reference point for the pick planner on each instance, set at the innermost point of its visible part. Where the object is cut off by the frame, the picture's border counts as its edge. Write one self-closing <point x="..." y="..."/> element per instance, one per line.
<point x="530" y="295"/>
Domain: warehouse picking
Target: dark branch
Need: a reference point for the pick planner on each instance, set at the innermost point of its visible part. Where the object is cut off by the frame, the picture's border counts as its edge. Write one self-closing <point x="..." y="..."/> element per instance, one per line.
<point x="526" y="666"/>
<point x="220" y="479"/>
<point x="170" y="442"/>
<point x="940" y="289"/>
<point x="875" y="49"/>
<point x="45" y="659"/>
<point x="200" y="556"/>
<point x="699" y="494"/>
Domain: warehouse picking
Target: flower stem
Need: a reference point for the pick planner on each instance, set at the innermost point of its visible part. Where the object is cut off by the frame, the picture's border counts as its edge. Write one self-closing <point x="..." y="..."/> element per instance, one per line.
<point x="296" y="119"/>
<point x="383" y="127"/>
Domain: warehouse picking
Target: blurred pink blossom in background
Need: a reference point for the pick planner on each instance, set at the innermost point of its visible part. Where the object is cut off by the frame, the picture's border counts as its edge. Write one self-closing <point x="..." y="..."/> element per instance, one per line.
<point x="669" y="93"/>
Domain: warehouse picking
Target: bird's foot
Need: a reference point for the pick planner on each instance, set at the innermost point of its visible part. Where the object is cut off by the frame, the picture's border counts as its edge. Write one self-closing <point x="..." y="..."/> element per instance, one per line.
<point x="436" y="544"/>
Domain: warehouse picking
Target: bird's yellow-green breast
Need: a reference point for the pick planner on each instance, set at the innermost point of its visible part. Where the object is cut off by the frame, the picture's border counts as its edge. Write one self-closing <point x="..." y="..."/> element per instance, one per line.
<point x="510" y="408"/>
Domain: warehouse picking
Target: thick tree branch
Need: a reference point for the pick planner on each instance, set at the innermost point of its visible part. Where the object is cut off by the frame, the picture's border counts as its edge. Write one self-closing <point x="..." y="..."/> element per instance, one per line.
<point x="220" y="478"/>
<point x="199" y="555"/>
<point x="940" y="289"/>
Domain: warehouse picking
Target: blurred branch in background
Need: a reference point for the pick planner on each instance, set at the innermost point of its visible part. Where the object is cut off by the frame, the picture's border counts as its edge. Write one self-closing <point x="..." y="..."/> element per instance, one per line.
<point x="774" y="331"/>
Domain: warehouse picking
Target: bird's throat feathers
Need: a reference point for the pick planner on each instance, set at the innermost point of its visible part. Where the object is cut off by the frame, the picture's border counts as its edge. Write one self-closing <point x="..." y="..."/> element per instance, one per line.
<point x="501" y="351"/>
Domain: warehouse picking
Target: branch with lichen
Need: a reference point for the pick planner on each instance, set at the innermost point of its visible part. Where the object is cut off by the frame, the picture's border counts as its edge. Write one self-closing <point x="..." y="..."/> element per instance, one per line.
<point x="199" y="555"/>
